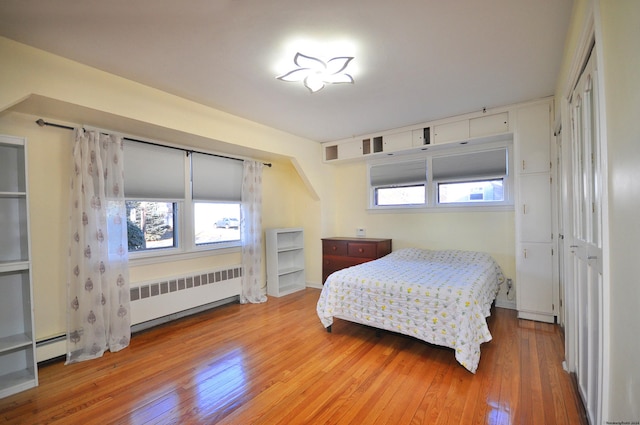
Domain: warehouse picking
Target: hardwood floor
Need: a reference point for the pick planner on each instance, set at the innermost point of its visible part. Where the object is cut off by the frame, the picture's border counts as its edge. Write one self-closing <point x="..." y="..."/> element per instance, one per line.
<point x="273" y="363"/>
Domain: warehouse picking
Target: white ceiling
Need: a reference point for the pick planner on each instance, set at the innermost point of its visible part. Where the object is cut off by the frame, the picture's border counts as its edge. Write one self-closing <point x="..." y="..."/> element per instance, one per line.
<point x="415" y="60"/>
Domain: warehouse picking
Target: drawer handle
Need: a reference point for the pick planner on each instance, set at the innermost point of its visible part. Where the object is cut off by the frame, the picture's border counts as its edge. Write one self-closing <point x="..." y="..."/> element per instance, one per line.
<point x="333" y="247"/>
<point x="360" y="250"/>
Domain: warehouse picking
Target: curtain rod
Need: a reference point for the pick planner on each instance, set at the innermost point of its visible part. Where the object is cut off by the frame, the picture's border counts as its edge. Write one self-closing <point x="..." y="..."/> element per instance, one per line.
<point x="42" y="123"/>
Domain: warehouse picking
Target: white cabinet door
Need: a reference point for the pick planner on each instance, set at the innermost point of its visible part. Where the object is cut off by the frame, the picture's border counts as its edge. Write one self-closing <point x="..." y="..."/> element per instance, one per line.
<point x="534" y="208"/>
<point x="534" y="284"/>
<point x="488" y="125"/>
<point x="350" y="150"/>
<point x="458" y="130"/>
<point x="397" y="141"/>
<point x="532" y="138"/>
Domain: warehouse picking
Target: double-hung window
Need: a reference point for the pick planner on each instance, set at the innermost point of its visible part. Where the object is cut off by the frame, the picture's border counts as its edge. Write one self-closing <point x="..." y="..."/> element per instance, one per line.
<point x="180" y="202"/>
<point x="464" y="177"/>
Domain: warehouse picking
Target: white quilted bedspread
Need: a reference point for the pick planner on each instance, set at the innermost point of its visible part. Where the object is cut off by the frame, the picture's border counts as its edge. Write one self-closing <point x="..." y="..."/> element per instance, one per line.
<point x="441" y="297"/>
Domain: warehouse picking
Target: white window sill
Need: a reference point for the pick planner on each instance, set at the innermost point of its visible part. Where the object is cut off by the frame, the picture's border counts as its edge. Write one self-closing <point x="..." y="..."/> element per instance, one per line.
<point x="146" y="258"/>
<point x="440" y="209"/>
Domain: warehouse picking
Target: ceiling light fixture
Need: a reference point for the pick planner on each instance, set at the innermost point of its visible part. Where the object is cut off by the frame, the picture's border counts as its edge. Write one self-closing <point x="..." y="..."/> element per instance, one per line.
<point x="315" y="73"/>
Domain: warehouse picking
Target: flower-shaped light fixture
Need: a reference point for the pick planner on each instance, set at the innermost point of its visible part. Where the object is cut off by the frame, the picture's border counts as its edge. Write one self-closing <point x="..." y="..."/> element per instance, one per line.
<point x="315" y="73"/>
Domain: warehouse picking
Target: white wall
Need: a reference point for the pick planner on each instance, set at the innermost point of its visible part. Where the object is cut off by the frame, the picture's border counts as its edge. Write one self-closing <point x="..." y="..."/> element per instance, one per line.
<point x="620" y="26"/>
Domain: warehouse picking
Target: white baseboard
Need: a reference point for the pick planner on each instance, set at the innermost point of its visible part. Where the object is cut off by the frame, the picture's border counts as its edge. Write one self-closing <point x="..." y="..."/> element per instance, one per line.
<point x="314" y="285"/>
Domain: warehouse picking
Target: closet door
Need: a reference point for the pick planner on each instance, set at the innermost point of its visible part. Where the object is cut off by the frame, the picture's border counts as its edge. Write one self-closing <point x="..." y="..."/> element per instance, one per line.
<point x="586" y="241"/>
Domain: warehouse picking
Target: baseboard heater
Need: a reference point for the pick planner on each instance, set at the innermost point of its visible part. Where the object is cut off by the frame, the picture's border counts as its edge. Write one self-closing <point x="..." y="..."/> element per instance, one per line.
<point x="163" y="300"/>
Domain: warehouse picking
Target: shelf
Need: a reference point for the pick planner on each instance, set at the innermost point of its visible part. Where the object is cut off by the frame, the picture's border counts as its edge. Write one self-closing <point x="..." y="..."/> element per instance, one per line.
<point x="14" y="266"/>
<point x="14" y="341"/>
<point x="289" y="270"/>
<point x="290" y="289"/>
<point x="289" y="248"/>
<point x="18" y="195"/>
<point x="14" y="382"/>
<point x="285" y="261"/>
<point x="18" y="368"/>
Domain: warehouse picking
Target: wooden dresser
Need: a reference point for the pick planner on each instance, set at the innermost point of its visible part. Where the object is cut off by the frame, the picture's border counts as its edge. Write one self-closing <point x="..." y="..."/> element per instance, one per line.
<point x="340" y="253"/>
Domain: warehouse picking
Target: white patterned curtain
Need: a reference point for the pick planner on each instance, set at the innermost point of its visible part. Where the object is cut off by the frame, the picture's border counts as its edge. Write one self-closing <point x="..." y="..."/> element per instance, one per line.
<point x="254" y="289"/>
<point x="98" y="315"/>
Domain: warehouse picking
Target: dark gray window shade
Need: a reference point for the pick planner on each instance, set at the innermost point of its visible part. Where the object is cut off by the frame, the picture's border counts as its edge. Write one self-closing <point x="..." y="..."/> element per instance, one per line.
<point x="216" y="178"/>
<point x="153" y="172"/>
<point x="492" y="163"/>
<point x="399" y="173"/>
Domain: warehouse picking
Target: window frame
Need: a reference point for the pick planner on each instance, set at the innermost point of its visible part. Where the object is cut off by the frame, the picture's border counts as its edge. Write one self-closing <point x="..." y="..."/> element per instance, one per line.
<point x="432" y="203"/>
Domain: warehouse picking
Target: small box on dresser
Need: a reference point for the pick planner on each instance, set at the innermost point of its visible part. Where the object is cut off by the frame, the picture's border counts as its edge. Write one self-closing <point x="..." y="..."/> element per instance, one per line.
<point x="339" y="253"/>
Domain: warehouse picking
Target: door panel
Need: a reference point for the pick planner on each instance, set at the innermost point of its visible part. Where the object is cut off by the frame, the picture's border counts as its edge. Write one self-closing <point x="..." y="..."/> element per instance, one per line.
<point x="586" y="236"/>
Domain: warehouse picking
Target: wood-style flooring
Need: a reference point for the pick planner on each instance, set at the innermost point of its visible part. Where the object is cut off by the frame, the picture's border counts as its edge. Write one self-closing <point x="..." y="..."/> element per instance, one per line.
<point x="274" y="363"/>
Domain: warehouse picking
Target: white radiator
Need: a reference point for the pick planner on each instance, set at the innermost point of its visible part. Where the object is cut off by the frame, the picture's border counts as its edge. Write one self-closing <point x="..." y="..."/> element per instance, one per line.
<point x="159" y="301"/>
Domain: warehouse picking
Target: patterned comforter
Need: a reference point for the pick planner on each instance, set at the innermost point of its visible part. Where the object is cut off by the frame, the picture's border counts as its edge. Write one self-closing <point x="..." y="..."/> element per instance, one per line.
<point x="441" y="297"/>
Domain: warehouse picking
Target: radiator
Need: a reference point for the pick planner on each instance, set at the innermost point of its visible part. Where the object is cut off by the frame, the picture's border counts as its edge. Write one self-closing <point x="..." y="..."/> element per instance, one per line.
<point x="154" y="300"/>
<point x="159" y="301"/>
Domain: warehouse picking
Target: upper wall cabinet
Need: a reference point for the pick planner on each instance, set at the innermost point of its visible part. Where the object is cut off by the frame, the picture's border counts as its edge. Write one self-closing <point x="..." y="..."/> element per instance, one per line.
<point x="485" y="125"/>
<point x="534" y="129"/>
<point x="428" y="135"/>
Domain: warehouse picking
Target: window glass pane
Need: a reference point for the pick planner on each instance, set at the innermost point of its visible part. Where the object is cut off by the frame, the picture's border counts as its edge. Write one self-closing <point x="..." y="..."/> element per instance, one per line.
<point x="216" y="222"/>
<point x="473" y="191"/>
<point x="150" y="225"/>
<point x="401" y="195"/>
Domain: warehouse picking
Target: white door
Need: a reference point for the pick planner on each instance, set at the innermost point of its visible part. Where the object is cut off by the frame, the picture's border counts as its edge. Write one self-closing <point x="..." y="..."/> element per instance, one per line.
<point x="585" y="260"/>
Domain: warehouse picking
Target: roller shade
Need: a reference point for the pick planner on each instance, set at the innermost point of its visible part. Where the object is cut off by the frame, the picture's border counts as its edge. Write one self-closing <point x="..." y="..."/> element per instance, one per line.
<point x="399" y="173"/>
<point x="215" y="178"/>
<point x="490" y="163"/>
<point x="153" y="172"/>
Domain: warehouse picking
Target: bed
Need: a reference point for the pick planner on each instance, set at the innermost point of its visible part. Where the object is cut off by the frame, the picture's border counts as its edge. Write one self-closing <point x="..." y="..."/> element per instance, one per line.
<point x="441" y="297"/>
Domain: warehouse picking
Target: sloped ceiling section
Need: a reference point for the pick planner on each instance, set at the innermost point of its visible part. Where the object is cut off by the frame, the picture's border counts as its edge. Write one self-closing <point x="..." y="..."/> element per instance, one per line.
<point x="415" y="60"/>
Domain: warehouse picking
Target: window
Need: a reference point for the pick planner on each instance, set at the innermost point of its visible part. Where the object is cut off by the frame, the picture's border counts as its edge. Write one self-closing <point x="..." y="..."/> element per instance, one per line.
<point x="150" y="225"/>
<point x="474" y="191"/>
<point x="466" y="177"/>
<point x="217" y="192"/>
<point x="399" y="183"/>
<point x="471" y="178"/>
<point x="180" y="202"/>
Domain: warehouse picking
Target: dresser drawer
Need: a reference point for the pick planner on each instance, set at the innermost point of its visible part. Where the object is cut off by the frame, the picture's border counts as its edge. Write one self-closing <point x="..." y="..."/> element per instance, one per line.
<point x="333" y="264"/>
<point x="365" y="250"/>
<point x="331" y="247"/>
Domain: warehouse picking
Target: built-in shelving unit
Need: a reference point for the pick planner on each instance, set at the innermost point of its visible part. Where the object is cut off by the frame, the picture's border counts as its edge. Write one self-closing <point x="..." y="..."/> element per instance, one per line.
<point x="285" y="261"/>
<point x="18" y="369"/>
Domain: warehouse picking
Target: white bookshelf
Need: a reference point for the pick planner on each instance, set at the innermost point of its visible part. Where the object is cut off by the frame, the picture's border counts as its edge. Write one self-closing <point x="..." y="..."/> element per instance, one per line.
<point x="18" y="369"/>
<point x="285" y="261"/>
